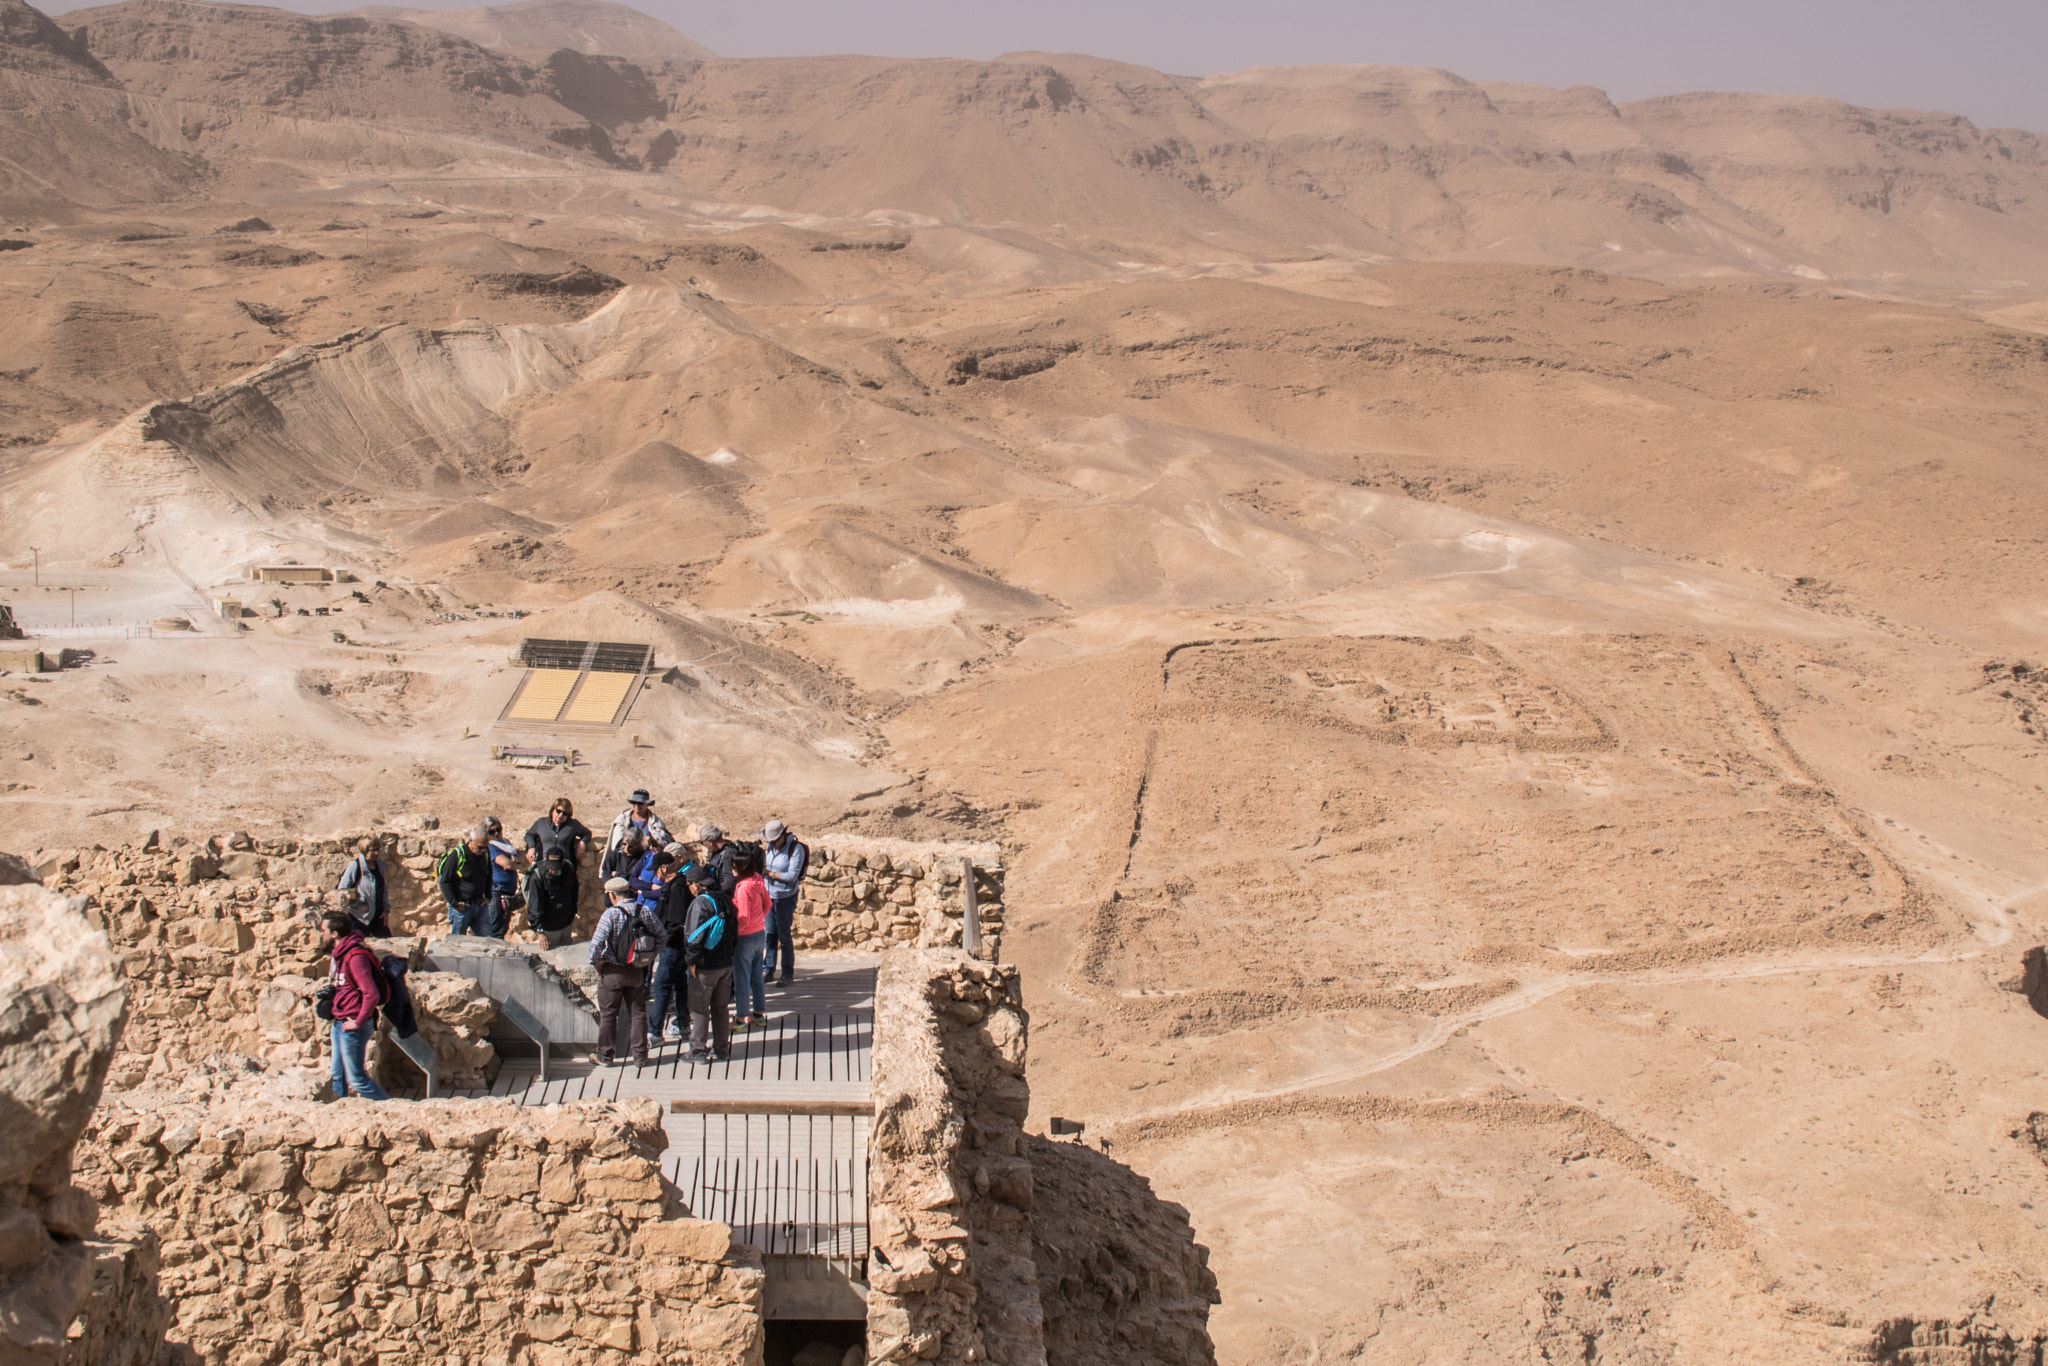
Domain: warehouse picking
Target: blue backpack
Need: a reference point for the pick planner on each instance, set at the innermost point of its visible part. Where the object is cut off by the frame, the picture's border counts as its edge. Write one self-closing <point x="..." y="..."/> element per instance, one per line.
<point x="708" y="934"/>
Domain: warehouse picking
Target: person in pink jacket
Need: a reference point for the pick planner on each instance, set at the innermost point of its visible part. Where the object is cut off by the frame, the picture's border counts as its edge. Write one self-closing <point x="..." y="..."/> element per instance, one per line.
<point x="750" y="964"/>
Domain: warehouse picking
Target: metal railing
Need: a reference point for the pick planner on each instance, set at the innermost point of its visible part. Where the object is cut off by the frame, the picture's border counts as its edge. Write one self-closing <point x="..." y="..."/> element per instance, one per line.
<point x="793" y="1185"/>
<point x="520" y="1018"/>
<point x="416" y="1047"/>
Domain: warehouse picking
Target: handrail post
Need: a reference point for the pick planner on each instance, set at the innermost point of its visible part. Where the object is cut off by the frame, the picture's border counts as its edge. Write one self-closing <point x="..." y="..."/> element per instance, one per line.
<point x="970" y="936"/>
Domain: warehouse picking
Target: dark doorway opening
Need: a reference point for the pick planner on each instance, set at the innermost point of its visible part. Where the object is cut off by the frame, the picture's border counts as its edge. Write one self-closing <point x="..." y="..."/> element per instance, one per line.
<point x="801" y="1342"/>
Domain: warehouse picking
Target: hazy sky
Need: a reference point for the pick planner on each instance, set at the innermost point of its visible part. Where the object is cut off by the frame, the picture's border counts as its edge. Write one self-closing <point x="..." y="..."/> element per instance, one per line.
<point x="1985" y="59"/>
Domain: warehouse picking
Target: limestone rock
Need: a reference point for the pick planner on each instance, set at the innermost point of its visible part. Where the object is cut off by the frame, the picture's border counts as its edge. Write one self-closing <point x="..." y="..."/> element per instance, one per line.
<point x="63" y="1002"/>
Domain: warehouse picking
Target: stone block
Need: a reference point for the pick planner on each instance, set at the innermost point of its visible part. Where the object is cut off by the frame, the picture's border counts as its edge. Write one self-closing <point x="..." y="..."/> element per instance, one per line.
<point x="509" y="1230"/>
<point x="699" y="1240"/>
<point x="632" y="1178"/>
<point x="512" y="1179"/>
<point x="267" y="1173"/>
<point x="22" y="1240"/>
<point x="229" y="935"/>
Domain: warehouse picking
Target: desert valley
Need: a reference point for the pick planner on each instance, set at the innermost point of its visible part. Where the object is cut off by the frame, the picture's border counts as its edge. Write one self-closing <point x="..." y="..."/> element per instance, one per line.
<point x="1502" y="636"/>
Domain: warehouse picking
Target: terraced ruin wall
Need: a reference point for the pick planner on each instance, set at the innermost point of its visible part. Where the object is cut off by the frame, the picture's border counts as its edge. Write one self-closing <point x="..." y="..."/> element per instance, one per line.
<point x="991" y="1244"/>
<point x="450" y="1231"/>
<point x="862" y="893"/>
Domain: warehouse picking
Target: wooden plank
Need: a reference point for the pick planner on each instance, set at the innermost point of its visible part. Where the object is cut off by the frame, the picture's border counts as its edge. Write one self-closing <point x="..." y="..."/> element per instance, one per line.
<point x="817" y="1098"/>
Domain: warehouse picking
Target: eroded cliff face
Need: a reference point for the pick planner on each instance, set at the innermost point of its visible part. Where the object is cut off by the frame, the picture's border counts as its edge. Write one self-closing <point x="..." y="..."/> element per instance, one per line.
<point x="62" y="1006"/>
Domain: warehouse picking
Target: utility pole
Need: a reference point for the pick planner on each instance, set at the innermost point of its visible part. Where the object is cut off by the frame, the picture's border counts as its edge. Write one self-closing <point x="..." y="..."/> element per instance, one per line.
<point x="74" y="605"/>
<point x="37" y="551"/>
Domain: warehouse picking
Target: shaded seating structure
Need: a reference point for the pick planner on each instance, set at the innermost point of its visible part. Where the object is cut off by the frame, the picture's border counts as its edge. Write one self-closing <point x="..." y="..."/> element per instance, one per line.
<point x="577" y="684"/>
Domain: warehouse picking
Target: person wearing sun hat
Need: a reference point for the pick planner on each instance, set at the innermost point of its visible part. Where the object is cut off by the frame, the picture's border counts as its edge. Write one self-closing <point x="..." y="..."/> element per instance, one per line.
<point x="638" y="818"/>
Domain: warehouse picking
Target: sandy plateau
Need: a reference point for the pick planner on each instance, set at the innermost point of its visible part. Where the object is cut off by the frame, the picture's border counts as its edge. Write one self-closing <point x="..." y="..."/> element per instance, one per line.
<point x="1504" y="634"/>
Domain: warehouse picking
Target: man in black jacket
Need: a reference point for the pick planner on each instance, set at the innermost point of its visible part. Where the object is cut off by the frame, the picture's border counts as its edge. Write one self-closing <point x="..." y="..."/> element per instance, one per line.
<point x="672" y="904"/>
<point x="555" y="844"/>
<point x="465" y="881"/>
<point x="711" y="934"/>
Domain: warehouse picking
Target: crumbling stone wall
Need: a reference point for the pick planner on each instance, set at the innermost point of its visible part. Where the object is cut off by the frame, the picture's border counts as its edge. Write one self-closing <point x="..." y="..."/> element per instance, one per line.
<point x="952" y="1278"/>
<point x="231" y="964"/>
<point x="291" y="868"/>
<point x="876" y="894"/>
<point x="447" y="1231"/>
<point x="1121" y="1279"/>
<point x="865" y="894"/>
<point x="62" y="1005"/>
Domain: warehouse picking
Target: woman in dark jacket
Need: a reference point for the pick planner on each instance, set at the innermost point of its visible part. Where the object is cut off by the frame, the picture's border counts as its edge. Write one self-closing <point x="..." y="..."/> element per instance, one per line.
<point x="556" y="844"/>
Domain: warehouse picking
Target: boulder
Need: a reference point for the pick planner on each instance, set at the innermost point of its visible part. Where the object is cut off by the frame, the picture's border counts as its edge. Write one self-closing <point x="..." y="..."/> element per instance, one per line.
<point x="63" y="1001"/>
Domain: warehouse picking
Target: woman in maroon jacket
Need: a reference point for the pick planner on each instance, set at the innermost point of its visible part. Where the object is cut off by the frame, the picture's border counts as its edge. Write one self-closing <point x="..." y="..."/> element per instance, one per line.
<point x="352" y="972"/>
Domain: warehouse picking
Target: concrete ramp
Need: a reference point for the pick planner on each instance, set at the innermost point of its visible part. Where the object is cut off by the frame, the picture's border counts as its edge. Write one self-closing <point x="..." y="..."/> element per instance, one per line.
<point x="550" y="985"/>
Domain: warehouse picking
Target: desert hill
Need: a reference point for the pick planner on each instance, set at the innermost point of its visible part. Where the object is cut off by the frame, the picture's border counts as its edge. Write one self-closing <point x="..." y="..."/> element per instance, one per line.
<point x="591" y="27"/>
<point x="1105" y="157"/>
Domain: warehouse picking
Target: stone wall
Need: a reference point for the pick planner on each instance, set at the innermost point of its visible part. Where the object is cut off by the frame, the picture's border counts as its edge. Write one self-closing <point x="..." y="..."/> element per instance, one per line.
<point x="1121" y="1279"/>
<point x="231" y="964"/>
<point x="62" y="1005"/>
<point x="875" y="894"/>
<point x="287" y="869"/>
<point x="460" y="1232"/>
<point x="952" y="1277"/>
<point x="862" y="894"/>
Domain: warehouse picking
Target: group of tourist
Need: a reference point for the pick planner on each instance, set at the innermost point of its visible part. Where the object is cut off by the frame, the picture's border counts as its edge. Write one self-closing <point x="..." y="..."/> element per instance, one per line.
<point x="692" y="932"/>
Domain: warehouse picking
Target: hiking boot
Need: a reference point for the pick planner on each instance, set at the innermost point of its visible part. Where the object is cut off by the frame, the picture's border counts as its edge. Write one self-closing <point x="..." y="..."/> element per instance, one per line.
<point x="600" y="1060"/>
<point x="672" y="1034"/>
<point x="788" y="979"/>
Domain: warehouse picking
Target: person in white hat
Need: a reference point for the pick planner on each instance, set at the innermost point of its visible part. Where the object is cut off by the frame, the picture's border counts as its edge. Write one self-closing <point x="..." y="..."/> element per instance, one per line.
<point x="637" y="819"/>
<point x="784" y="858"/>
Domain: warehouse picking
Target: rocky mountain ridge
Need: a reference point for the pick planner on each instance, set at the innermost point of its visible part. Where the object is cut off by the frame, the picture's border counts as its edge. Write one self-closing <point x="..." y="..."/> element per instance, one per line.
<point x="1365" y="161"/>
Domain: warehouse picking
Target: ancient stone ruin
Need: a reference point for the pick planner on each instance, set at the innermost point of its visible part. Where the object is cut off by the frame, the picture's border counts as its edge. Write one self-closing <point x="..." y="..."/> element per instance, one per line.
<point x="214" y="1205"/>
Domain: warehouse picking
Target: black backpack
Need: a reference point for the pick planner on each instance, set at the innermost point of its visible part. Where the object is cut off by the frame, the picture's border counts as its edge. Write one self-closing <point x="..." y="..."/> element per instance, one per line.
<point x="394" y="999"/>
